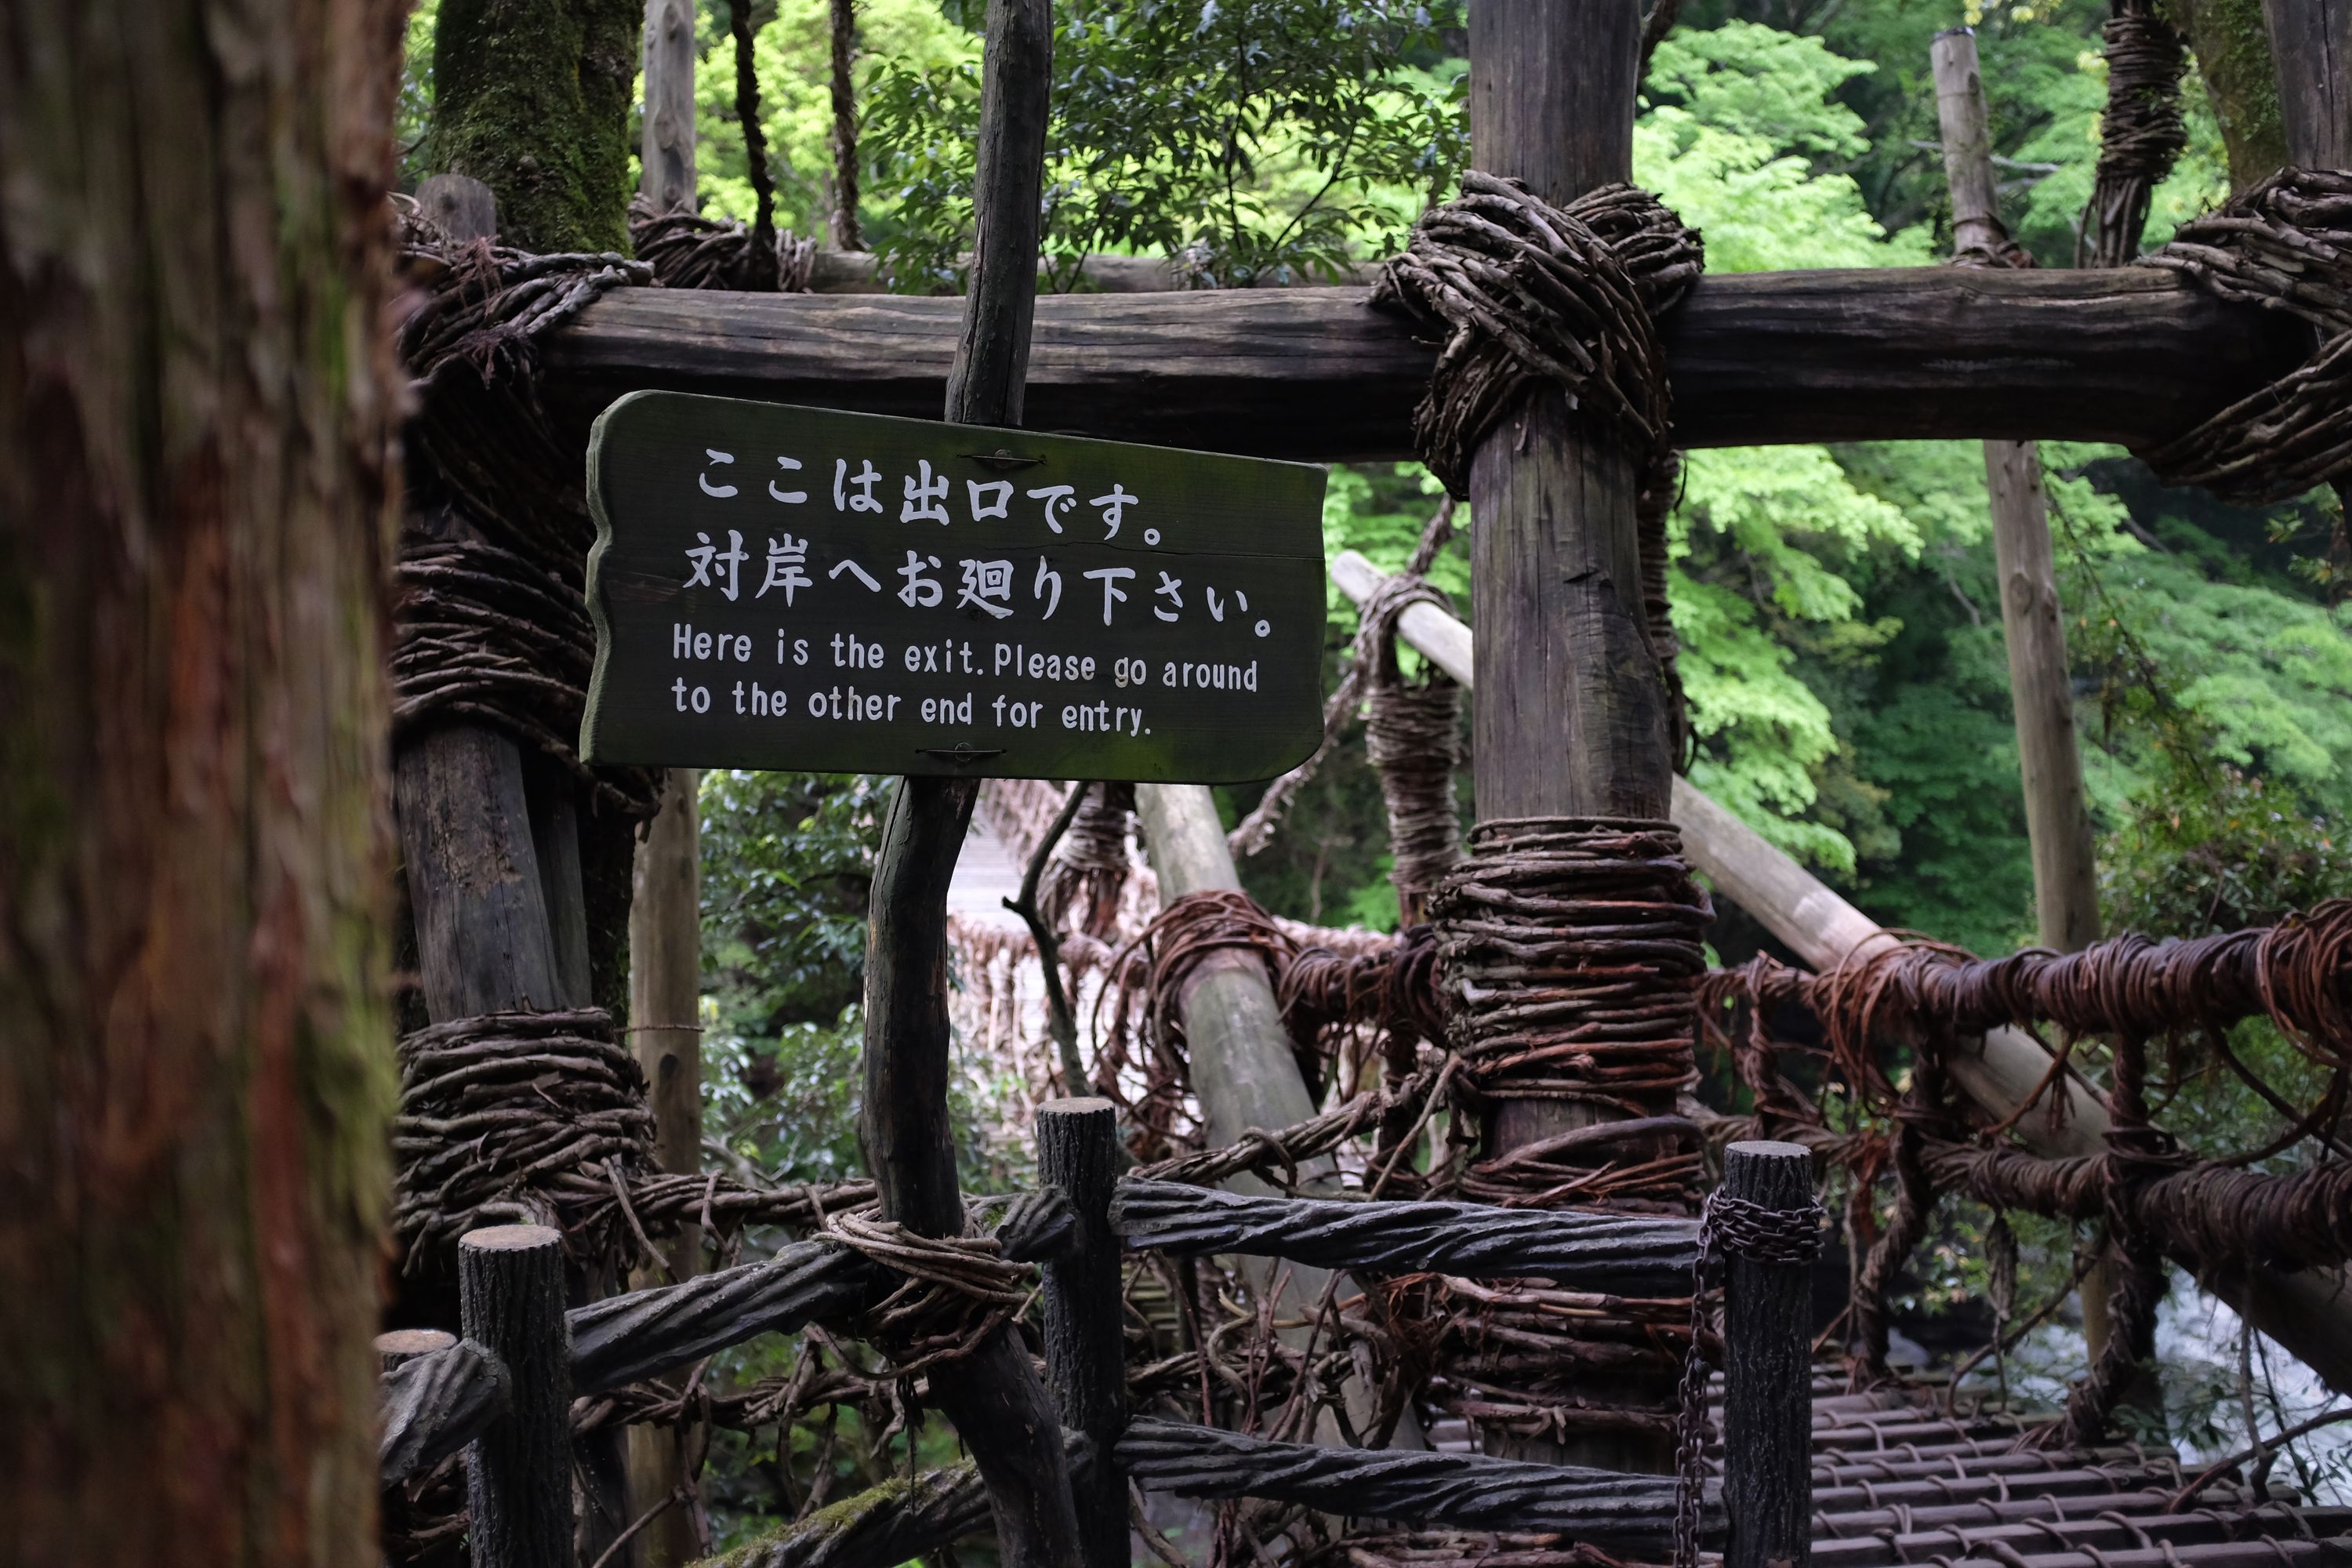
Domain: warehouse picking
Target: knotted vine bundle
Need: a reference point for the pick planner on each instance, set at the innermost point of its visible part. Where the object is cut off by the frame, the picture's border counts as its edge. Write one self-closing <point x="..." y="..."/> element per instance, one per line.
<point x="2285" y="245"/>
<point x="2141" y="132"/>
<point x="491" y="619"/>
<point x="686" y="250"/>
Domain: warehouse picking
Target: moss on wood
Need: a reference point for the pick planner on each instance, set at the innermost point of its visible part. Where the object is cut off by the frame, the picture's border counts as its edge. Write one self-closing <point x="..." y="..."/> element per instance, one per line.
<point x="2234" y="57"/>
<point x="531" y="98"/>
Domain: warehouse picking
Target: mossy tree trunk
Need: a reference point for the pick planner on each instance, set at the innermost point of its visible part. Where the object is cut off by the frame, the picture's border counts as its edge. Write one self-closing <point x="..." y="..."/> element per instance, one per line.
<point x="531" y="98"/>
<point x="195" y="387"/>
<point x="2234" y="57"/>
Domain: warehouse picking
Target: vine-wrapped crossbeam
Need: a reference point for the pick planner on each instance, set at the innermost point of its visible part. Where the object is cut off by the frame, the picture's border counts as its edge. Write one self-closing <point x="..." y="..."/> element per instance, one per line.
<point x="647" y="1331"/>
<point x="433" y="1406"/>
<point x="1624" y="1255"/>
<point x="2125" y="354"/>
<point x="1476" y="1492"/>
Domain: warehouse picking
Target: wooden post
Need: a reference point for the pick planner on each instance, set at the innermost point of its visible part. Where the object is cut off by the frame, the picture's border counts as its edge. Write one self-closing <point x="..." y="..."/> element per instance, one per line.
<point x="1768" y="1373"/>
<point x="2312" y="42"/>
<point x="1086" y="1338"/>
<point x="2057" y="813"/>
<point x="844" y="230"/>
<point x="519" y="1472"/>
<point x="1570" y="716"/>
<point x="398" y="1345"/>
<point x="2305" y="1311"/>
<point x="665" y="175"/>
<point x="992" y="1395"/>
<point x="665" y="997"/>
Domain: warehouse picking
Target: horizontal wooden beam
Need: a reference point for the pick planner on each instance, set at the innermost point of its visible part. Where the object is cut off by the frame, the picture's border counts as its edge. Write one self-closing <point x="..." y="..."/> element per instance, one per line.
<point x="2129" y="355"/>
<point x="1625" y="1254"/>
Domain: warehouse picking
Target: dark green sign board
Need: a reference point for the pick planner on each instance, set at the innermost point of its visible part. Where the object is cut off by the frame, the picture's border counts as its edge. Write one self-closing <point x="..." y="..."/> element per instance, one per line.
<point x="804" y="589"/>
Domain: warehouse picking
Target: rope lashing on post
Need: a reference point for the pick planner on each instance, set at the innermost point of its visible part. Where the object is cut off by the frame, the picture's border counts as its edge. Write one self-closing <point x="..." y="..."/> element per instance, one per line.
<point x="1728" y="1227"/>
<point x="956" y="1289"/>
<point x="1413" y="734"/>
<point x="1090" y="867"/>
<point x="1375" y="641"/>
<point x="509" y="1115"/>
<point x="1531" y="295"/>
<point x="686" y="250"/>
<point x="2141" y="131"/>
<point x="2285" y="245"/>
<point x="491" y="621"/>
<point x="1573" y="944"/>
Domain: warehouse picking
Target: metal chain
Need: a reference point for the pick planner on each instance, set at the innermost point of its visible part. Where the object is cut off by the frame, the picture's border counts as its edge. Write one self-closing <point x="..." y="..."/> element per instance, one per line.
<point x="1734" y="1227"/>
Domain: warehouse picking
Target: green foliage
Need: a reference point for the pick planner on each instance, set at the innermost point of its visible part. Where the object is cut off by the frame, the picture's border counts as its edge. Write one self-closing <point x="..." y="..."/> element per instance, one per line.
<point x="1259" y="139"/>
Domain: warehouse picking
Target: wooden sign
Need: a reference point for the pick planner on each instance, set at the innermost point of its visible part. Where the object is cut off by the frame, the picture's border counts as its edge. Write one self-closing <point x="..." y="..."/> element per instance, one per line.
<point x="804" y="589"/>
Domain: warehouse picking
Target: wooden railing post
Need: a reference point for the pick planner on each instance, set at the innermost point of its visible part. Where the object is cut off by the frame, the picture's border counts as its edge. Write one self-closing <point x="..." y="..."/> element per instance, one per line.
<point x="510" y="1298"/>
<point x="1768" y="1403"/>
<point x="1086" y="1342"/>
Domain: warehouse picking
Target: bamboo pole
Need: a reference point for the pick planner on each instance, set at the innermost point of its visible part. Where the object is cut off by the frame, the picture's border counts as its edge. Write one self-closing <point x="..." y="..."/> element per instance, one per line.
<point x="2309" y="1313"/>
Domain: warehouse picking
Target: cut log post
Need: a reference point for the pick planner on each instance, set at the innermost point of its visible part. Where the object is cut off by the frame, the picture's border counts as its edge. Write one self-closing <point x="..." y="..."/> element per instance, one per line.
<point x="518" y="1471"/>
<point x="1243" y="1070"/>
<point x="1086" y="1338"/>
<point x="2309" y="1312"/>
<point x="1768" y="1365"/>
<point x="2312" y="42"/>
<point x="2057" y="810"/>
<point x="666" y="146"/>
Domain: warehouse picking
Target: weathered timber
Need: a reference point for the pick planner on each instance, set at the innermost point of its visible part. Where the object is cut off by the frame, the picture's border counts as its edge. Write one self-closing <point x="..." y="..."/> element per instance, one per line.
<point x="1768" y="1484"/>
<point x="2312" y="42"/>
<point x="2057" y="809"/>
<point x="2309" y="1312"/>
<point x="394" y="1346"/>
<point x="1085" y="1319"/>
<point x="623" y="1338"/>
<point x="1243" y="1069"/>
<point x="436" y="1403"/>
<point x="2129" y="355"/>
<point x="1613" y="1254"/>
<point x="519" y="1470"/>
<point x="1466" y="1490"/>
<point x="664" y="990"/>
<point x="666" y="143"/>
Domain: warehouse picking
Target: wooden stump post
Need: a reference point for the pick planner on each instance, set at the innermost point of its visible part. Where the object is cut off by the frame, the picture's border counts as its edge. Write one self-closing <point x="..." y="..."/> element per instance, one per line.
<point x="510" y="1298"/>
<point x="397" y="1346"/>
<point x="1086" y="1341"/>
<point x="1768" y="1403"/>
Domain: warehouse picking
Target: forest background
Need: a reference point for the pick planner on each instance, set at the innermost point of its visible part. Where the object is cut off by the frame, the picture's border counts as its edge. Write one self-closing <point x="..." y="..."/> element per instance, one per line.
<point x="1841" y="629"/>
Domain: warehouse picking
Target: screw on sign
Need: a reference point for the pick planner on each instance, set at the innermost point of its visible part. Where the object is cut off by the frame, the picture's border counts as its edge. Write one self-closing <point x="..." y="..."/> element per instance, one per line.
<point x="779" y="588"/>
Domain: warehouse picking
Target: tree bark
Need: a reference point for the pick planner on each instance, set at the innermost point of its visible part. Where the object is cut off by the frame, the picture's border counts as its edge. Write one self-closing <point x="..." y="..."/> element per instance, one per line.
<point x="194" y="406"/>
<point x="531" y="98"/>
<point x="2234" y="57"/>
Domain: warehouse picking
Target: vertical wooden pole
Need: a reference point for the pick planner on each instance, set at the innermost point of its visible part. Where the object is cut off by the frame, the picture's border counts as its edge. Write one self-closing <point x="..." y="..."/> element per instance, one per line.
<point x="1086" y="1338"/>
<point x="664" y="996"/>
<point x="1570" y="713"/>
<point x="665" y="175"/>
<point x="2057" y="813"/>
<point x="2312" y="42"/>
<point x="844" y="231"/>
<point x="1768" y="1372"/>
<point x="992" y="1395"/>
<point x="519" y="1472"/>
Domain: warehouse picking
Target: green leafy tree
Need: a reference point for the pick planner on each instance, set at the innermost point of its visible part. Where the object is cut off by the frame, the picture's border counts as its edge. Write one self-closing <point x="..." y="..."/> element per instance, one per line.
<point x="1259" y="140"/>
